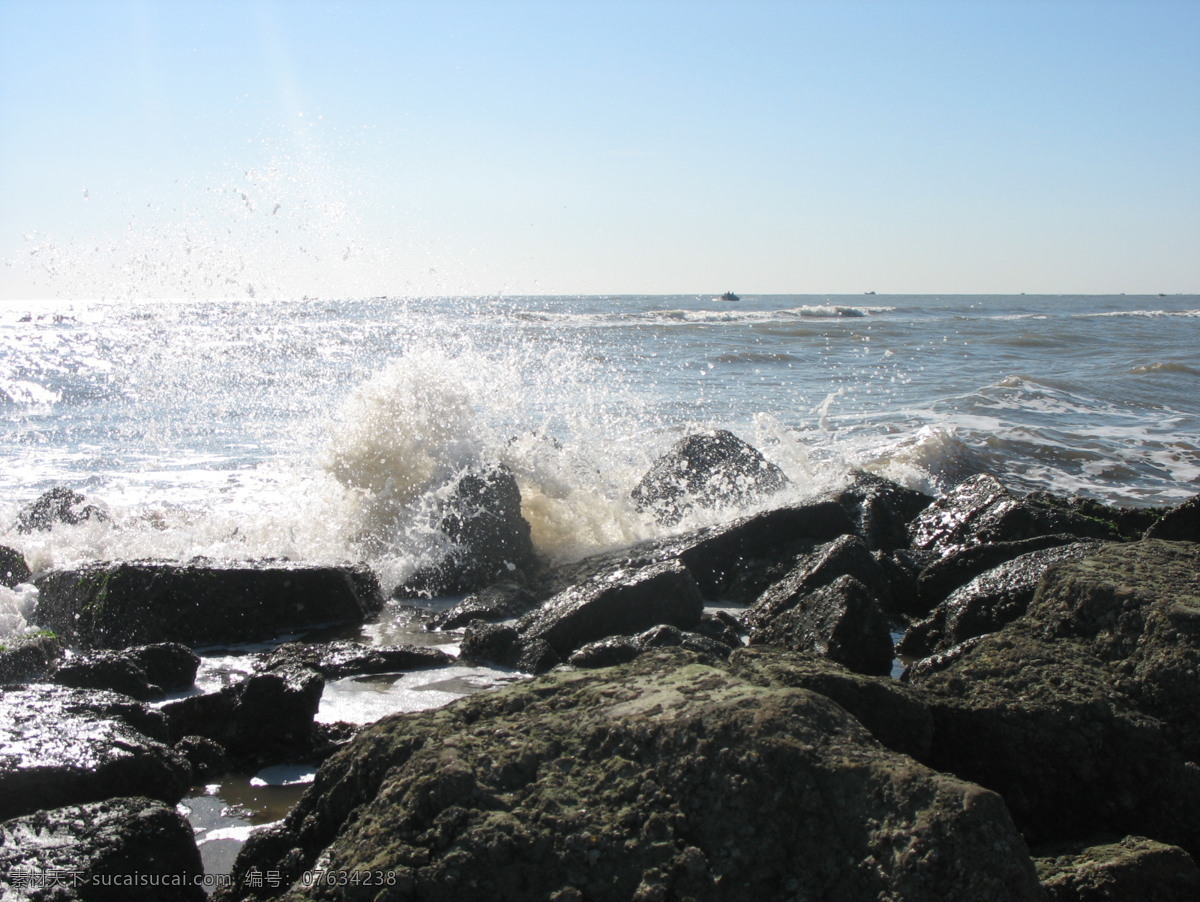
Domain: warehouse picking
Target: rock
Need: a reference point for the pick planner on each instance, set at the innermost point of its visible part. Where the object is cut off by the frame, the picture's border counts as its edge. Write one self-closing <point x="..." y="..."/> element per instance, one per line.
<point x="841" y="621"/>
<point x="58" y="505"/>
<point x="894" y="714"/>
<point x="63" y="746"/>
<point x="334" y="660"/>
<point x="113" y="605"/>
<point x="29" y="658"/>
<point x="125" y="848"/>
<point x="13" y="569"/>
<point x="167" y="664"/>
<point x="506" y="600"/>
<point x="206" y="756"/>
<point x="490" y="537"/>
<point x="665" y="778"/>
<point x="615" y="604"/>
<point x="982" y="511"/>
<point x="733" y="562"/>
<point x="1056" y="713"/>
<point x="490" y="642"/>
<point x="881" y="509"/>
<point x="844" y="556"/>
<point x="989" y="601"/>
<point x="942" y="576"/>
<point x="1179" y="524"/>
<point x="1132" y="868"/>
<point x="623" y="649"/>
<point x="901" y="570"/>
<point x="106" y="670"/>
<point x="266" y="718"/>
<point x="144" y="672"/>
<point x="1136" y="608"/>
<point x="713" y="469"/>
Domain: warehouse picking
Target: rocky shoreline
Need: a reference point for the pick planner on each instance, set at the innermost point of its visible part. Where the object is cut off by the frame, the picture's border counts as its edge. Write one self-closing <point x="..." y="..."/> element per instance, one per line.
<point x="711" y="715"/>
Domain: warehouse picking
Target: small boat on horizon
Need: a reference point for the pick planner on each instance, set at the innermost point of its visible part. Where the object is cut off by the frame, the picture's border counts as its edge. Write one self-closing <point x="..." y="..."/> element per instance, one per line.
<point x="729" y="296"/>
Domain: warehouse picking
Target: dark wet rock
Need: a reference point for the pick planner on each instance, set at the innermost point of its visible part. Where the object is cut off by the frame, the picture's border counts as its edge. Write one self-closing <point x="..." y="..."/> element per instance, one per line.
<point x="988" y="602"/>
<point x="495" y="643"/>
<point x="894" y="714"/>
<point x="982" y="511"/>
<point x="133" y="848"/>
<point x="144" y="672"/>
<point x="62" y="746"/>
<point x="113" y="605"/>
<point x="334" y="660"/>
<point x="734" y="562"/>
<point x="917" y="670"/>
<point x="721" y="626"/>
<point x="1179" y="524"/>
<point x="29" y="658"/>
<point x="664" y="778"/>
<point x="713" y="469"/>
<point x="615" y="604"/>
<point x="841" y="621"/>
<point x="1133" y="868"/>
<point x="106" y="670"/>
<point x="490" y="537"/>
<point x="13" y="569"/>
<point x="168" y="664"/>
<point x="901" y="570"/>
<point x="206" y="756"/>
<point x="266" y="718"/>
<point x="943" y="575"/>
<point x="506" y="600"/>
<point x="881" y="509"/>
<point x="844" y="556"/>
<point x="58" y="505"/>
<point x="537" y="656"/>
<point x="623" y="649"/>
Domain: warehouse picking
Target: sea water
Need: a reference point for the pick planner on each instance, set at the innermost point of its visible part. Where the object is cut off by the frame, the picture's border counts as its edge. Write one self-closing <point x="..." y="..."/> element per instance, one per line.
<point x="326" y="430"/>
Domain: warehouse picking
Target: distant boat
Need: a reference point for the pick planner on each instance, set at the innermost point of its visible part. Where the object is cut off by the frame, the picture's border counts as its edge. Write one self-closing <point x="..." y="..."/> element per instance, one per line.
<point x="729" y="296"/>
<point x="868" y="292"/>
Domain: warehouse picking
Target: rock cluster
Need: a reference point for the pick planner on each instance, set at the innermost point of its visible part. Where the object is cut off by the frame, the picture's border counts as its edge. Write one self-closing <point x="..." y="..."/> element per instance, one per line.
<point x="713" y="715"/>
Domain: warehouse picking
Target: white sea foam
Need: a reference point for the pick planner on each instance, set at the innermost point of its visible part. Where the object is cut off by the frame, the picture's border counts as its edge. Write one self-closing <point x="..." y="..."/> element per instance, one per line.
<point x="16" y="609"/>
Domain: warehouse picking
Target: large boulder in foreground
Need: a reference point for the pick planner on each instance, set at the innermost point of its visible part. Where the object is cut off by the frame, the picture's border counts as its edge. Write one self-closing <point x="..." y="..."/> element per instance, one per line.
<point x="714" y="469"/>
<point x="661" y="779"/>
<point x="113" y="605"/>
<point x="1085" y="713"/>
<point x="134" y="849"/>
<point x="67" y="746"/>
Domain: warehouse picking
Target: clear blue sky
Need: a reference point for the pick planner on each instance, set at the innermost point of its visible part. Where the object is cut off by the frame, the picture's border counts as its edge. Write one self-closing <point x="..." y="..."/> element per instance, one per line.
<point x="598" y="146"/>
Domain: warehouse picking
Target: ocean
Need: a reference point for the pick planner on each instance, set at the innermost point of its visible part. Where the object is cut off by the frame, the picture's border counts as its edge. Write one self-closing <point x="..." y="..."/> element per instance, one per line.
<point x="297" y="429"/>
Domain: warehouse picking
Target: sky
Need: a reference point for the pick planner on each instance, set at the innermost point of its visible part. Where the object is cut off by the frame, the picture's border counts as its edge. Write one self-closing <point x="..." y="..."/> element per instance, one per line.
<point x="167" y="148"/>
